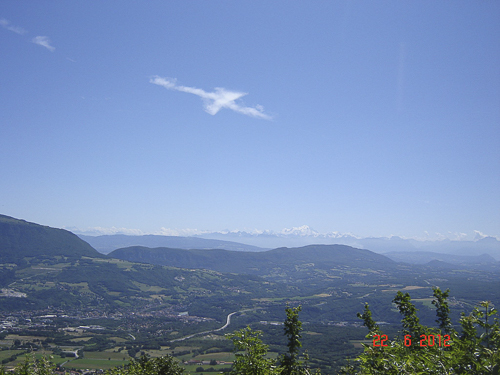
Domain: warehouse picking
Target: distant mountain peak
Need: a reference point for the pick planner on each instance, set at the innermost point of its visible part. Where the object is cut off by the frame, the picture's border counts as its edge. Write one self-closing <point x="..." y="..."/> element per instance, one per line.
<point x="304" y="230"/>
<point x="488" y="240"/>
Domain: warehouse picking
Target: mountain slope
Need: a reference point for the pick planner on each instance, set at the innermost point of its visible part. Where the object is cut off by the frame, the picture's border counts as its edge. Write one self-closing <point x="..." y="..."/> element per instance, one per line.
<point x="20" y="239"/>
<point x="107" y="243"/>
<point x="304" y="235"/>
<point x="114" y="285"/>
<point x="43" y="268"/>
<point x="261" y="263"/>
<point x="421" y="257"/>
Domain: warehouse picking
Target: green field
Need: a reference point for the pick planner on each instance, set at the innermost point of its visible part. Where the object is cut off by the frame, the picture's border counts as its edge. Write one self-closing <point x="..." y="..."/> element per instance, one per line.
<point x="52" y="358"/>
<point x="425" y="301"/>
<point x="358" y="343"/>
<point x="4" y="354"/>
<point x="88" y="363"/>
<point x="104" y="356"/>
<point x="221" y="356"/>
<point x="13" y="337"/>
<point x="39" y="355"/>
<point x="191" y="369"/>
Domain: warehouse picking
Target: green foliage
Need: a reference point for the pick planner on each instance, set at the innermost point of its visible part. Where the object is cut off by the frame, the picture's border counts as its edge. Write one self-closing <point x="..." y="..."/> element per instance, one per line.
<point x="252" y="361"/>
<point x="410" y="322"/>
<point x="478" y="352"/>
<point x="145" y="365"/>
<point x="290" y="361"/>
<point x="32" y="366"/>
<point x="442" y="310"/>
<point x="368" y="320"/>
<point x="474" y="351"/>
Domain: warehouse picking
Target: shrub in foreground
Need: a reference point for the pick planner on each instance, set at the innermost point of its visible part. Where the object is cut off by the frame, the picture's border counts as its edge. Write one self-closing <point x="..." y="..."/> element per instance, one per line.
<point x="424" y="350"/>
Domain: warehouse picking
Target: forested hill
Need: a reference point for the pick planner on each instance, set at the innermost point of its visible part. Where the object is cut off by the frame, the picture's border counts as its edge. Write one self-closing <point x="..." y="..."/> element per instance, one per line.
<point x="20" y="239"/>
<point x="107" y="243"/>
<point x="322" y="256"/>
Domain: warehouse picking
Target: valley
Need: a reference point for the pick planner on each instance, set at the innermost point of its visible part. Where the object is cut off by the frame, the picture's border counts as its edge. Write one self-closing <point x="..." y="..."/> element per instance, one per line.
<point x="89" y="310"/>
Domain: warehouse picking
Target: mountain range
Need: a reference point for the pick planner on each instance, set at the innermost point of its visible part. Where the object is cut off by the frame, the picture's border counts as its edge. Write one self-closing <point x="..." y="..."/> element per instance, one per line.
<point x="423" y="257"/>
<point x="107" y="243"/>
<point x="43" y="268"/>
<point x="258" y="263"/>
<point x="304" y="235"/>
<point x="254" y="242"/>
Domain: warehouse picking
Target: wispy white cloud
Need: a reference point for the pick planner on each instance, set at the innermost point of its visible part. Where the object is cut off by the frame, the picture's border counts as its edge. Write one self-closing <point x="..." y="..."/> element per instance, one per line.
<point x="7" y="25"/>
<point x="43" y="41"/>
<point x="478" y="235"/>
<point x="214" y="101"/>
<point x="179" y="232"/>
<point x="99" y="231"/>
<point x="457" y="236"/>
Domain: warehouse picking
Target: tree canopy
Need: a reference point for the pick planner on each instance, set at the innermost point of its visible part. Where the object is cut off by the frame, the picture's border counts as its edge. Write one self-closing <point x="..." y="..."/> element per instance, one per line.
<point x="424" y="350"/>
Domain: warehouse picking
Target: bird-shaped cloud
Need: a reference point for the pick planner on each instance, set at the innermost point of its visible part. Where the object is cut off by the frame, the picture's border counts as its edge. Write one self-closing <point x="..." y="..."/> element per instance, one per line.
<point x="214" y="101"/>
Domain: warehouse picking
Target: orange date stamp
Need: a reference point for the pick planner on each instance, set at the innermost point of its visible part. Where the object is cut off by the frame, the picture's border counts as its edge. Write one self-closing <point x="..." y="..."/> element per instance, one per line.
<point x="425" y="340"/>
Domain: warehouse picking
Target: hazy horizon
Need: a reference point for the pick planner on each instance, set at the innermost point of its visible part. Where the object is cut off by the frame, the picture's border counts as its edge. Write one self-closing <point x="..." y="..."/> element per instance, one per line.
<point x="302" y="231"/>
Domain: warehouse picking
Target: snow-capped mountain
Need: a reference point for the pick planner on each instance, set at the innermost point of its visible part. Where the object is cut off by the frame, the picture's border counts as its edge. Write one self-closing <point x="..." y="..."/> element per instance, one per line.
<point x="305" y="235"/>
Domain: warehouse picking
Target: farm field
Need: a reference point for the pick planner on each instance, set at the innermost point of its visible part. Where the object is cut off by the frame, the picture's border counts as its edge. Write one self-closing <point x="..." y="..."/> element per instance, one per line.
<point x="94" y="364"/>
<point x="5" y="354"/>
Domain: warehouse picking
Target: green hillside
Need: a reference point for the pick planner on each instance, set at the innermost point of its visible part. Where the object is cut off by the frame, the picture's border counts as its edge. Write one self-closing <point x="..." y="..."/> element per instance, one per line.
<point x="259" y="263"/>
<point x="43" y="267"/>
<point x="111" y="285"/>
<point x="20" y="239"/>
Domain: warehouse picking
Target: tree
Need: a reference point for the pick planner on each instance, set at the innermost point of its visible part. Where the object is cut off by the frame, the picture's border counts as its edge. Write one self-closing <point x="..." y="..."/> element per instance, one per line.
<point x="425" y="350"/>
<point x="442" y="310"/>
<point x="32" y="366"/>
<point x="290" y="361"/>
<point x="145" y="365"/>
<point x="252" y="361"/>
<point x="410" y="322"/>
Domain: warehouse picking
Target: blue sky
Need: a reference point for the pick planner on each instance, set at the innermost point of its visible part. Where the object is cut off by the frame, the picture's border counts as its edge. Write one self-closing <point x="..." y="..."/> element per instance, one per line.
<point x="373" y="118"/>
